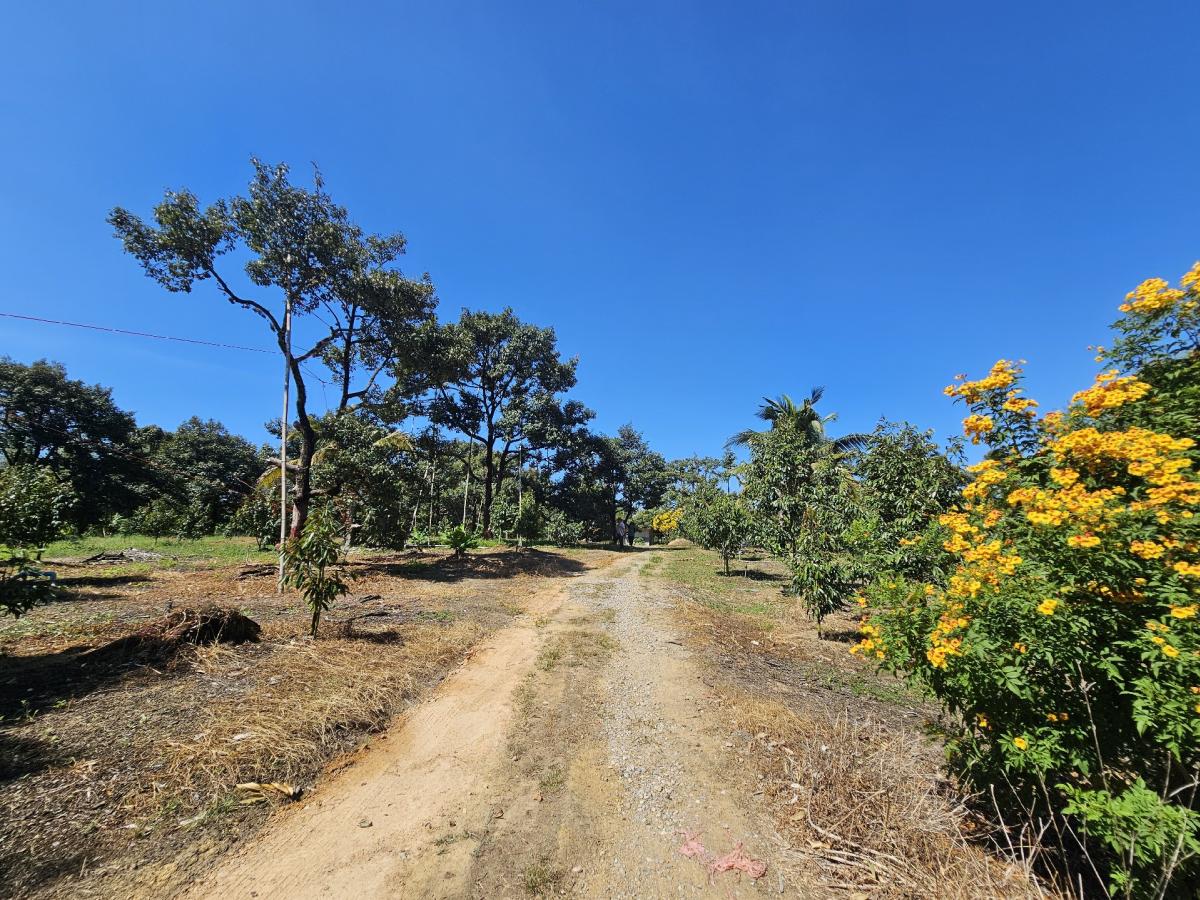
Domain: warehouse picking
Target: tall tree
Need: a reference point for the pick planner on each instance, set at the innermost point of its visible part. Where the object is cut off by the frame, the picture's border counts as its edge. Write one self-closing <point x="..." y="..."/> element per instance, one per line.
<point x="209" y="472"/>
<point x="75" y="430"/>
<point x="302" y="252"/>
<point x="498" y="381"/>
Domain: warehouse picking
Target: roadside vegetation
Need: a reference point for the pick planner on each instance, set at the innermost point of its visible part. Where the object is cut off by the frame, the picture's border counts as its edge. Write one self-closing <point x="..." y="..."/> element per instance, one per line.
<point x="846" y="761"/>
<point x="1037" y="609"/>
<point x="1045" y="595"/>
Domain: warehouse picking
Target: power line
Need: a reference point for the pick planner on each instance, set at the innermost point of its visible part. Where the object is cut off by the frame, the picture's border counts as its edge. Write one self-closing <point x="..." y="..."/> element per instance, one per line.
<point x="161" y="337"/>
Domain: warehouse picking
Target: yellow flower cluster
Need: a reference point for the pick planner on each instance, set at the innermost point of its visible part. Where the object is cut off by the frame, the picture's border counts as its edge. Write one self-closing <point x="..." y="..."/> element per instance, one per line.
<point x="1002" y="375"/>
<point x="944" y="641"/>
<point x="871" y="643"/>
<point x="1152" y="296"/>
<point x="666" y="522"/>
<point x="1191" y="279"/>
<point x="1072" y="503"/>
<point x="1109" y="392"/>
<point x="1015" y="403"/>
<point x="1142" y="453"/>
<point x="1187" y="569"/>
<point x="1147" y="549"/>
<point x="987" y="474"/>
<point x="990" y="559"/>
<point x="976" y="426"/>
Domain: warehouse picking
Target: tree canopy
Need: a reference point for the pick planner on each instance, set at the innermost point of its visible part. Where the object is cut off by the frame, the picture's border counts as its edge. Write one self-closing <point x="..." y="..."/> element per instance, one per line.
<point x="302" y="253"/>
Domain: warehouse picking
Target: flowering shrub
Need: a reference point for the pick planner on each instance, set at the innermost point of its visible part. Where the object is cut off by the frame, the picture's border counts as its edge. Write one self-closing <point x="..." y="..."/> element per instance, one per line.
<point x="1065" y="635"/>
<point x="666" y="522"/>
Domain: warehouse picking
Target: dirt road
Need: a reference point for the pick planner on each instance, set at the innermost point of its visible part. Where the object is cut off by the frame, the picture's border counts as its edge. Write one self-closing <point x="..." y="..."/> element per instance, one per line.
<point x="570" y="755"/>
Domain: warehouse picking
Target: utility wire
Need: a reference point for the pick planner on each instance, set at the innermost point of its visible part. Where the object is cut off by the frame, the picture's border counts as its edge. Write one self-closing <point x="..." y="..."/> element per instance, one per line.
<point x="161" y="337"/>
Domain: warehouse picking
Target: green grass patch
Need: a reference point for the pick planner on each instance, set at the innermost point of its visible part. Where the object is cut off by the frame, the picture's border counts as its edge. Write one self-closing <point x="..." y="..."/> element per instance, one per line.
<point x="755" y="587"/>
<point x="863" y="684"/>
<point x="216" y="549"/>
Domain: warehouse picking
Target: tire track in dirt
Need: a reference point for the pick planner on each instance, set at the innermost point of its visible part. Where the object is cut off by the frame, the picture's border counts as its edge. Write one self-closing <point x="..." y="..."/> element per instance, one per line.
<point x="569" y="756"/>
<point x="358" y="830"/>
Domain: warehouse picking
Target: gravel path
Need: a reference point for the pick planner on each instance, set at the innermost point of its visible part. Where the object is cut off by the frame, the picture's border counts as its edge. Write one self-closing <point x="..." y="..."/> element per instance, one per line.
<point x="667" y="759"/>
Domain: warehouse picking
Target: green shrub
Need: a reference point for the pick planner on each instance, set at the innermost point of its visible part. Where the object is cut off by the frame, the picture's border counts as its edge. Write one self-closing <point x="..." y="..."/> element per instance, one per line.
<point x="718" y="521"/>
<point x="529" y="522"/>
<point x="258" y="518"/>
<point x="33" y="507"/>
<point x="562" y="531"/>
<point x="460" y="540"/>
<point x="1066" y="635"/>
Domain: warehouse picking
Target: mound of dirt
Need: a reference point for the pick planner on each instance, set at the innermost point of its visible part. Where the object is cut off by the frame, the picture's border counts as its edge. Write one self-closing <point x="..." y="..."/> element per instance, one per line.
<point x="162" y="641"/>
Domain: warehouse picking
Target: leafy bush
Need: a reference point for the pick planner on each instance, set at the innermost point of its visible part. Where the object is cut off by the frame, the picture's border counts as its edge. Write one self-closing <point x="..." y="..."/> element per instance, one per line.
<point x="1066" y="635"/>
<point x="718" y="521"/>
<point x="906" y="482"/>
<point x="460" y="540"/>
<point x="159" y="518"/>
<point x="310" y="562"/>
<point x="562" y="531"/>
<point x="529" y="521"/>
<point x="33" y="507"/>
<point x="257" y="517"/>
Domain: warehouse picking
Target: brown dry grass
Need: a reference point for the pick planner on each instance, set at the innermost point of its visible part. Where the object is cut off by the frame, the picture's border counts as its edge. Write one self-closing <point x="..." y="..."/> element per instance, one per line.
<point x="120" y="781"/>
<point x="846" y="759"/>
<point x="309" y="697"/>
<point x="863" y="808"/>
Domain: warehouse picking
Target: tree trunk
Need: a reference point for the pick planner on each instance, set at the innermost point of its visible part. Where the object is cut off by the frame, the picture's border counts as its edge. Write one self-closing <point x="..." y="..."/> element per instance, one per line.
<point x="308" y="445"/>
<point x="489" y="475"/>
<point x="316" y="621"/>
<point x="347" y="360"/>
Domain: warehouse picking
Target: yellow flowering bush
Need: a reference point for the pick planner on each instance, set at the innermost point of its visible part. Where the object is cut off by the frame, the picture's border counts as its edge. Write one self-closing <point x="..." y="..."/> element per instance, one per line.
<point x="1065" y="636"/>
<point x="666" y="522"/>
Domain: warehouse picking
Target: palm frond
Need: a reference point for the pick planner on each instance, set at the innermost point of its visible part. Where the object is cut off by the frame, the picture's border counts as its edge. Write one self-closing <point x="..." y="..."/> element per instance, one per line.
<point x="850" y="442"/>
<point x="397" y="440"/>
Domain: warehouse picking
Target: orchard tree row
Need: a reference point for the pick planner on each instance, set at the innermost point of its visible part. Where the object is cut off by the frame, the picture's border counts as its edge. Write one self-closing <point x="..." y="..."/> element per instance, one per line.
<point x="1048" y="594"/>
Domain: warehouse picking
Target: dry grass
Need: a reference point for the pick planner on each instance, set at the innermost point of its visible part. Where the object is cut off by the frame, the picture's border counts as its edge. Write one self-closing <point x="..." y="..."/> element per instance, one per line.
<point x="847" y="759"/>
<point x="119" y="780"/>
<point x="862" y="807"/>
<point x="309" y="697"/>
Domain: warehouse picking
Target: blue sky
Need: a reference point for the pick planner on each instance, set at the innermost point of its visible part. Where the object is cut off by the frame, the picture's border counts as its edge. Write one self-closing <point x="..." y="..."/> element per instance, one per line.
<point x="709" y="202"/>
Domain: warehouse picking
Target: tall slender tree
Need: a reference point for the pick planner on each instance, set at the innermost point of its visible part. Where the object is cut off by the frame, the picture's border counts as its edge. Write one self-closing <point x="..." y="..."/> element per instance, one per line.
<point x="302" y="253"/>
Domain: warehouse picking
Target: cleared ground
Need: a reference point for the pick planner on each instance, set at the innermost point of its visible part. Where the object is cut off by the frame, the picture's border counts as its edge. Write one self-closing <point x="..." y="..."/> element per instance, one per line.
<point x="586" y="723"/>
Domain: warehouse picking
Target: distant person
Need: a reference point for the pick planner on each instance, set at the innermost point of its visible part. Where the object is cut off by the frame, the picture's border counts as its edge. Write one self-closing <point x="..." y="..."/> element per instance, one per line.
<point x="632" y="530"/>
<point x="620" y="532"/>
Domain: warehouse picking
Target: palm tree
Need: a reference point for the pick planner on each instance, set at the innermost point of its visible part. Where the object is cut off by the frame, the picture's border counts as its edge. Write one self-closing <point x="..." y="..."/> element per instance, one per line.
<point x="802" y="418"/>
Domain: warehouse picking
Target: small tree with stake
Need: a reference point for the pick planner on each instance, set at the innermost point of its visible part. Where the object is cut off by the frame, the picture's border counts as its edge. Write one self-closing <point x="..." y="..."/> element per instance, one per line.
<point x="310" y="563"/>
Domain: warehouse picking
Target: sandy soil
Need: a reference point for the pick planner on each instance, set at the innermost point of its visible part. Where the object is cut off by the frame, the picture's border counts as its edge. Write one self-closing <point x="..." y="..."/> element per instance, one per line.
<point x="570" y="755"/>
